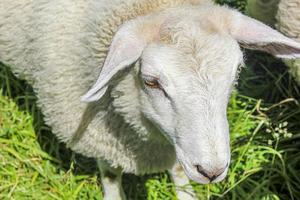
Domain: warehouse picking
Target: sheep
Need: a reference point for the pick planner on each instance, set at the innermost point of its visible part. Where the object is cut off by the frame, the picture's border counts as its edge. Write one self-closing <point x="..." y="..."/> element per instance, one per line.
<point x="167" y="68"/>
<point x="284" y="15"/>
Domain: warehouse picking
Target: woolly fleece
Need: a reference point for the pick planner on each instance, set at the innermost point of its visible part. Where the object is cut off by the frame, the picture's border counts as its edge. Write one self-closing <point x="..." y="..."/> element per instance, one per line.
<point x="59" y="47"/>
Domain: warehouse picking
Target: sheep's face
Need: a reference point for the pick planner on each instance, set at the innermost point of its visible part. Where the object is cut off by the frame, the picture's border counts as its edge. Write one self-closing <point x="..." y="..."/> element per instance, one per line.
<point x="185" y="93"/>
<point x="189" y="60"/>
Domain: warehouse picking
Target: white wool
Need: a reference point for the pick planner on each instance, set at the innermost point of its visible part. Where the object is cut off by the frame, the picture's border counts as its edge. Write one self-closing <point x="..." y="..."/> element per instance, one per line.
<point x="59" y="46"/>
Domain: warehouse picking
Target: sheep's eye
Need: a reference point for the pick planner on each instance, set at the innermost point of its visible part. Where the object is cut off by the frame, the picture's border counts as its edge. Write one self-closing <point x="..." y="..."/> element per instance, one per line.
<point x="152" y="83"/>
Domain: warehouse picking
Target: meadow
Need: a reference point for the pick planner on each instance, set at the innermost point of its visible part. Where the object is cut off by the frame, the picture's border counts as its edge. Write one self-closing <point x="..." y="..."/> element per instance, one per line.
<point x="264" y="115"/>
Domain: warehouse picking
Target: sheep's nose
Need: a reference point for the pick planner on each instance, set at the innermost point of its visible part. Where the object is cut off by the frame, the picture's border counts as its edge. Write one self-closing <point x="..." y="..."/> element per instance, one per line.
<point x="211" y="174"/>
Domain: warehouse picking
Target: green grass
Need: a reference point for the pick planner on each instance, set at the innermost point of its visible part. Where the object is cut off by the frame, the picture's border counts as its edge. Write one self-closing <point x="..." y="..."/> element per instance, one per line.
<point x="33" y="165"/>
<point x="265" y="159"/>
<point x="263" y="113"/>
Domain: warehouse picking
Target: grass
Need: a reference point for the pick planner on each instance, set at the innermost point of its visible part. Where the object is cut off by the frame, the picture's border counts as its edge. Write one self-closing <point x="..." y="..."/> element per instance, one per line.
<point x="263" y="113"/>
<point x="264" y="141"/>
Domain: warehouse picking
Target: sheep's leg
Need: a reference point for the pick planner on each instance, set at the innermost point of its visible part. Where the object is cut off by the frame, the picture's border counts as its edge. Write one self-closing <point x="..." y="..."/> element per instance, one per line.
<point x="111" y="179"/>
<point x="183" y="188"/>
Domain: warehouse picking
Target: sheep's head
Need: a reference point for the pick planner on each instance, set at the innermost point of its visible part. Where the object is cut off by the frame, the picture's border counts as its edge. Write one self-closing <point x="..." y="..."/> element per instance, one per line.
<point x="189" y="59"/>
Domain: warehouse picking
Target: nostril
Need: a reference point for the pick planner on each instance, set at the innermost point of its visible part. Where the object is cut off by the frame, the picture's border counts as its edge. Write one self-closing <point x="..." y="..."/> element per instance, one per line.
<point x="211" y="175"/>
<point x="201" y="170"/>
<point x="221" y="170"/>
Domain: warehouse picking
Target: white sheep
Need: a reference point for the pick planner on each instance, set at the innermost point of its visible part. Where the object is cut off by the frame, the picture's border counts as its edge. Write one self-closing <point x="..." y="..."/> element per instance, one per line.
<point x="285" y="15"/>
<point x="166" y="72"/>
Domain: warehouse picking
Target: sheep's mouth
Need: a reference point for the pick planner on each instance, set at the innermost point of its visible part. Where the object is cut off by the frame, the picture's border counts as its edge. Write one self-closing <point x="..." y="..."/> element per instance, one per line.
<point x="192" y="171"/>
<point x="188" y="168"/>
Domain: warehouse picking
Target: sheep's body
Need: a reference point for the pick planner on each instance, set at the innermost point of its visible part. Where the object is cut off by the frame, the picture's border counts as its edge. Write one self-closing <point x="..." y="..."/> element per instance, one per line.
<point x="285" y="15"/>
<point x="173" y="99"/>
<point x="59" y="47"/>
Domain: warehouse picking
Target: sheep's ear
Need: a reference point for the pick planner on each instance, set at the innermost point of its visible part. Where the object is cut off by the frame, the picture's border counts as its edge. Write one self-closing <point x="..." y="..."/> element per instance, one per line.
<point x="126" y="47"/>
<point x="253" y="34"/>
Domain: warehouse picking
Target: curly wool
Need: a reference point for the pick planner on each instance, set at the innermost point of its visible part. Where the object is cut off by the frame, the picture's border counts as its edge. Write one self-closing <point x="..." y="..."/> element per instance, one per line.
<point x="59" y="47"/>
